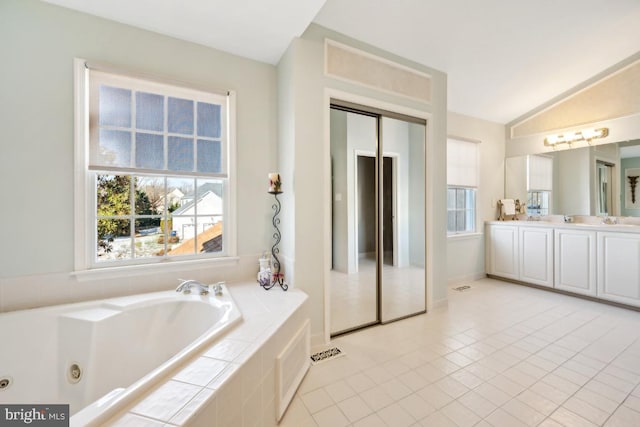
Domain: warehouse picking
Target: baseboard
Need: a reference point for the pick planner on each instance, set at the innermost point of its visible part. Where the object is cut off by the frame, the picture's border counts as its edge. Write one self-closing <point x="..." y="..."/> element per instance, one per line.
<point x="444" y="302"/>
<point x="317" y="340"/>
<point x="468" y="278"/>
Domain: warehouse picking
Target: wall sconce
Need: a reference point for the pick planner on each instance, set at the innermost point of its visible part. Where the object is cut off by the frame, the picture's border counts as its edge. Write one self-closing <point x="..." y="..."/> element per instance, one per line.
<point x="571" y="137"/>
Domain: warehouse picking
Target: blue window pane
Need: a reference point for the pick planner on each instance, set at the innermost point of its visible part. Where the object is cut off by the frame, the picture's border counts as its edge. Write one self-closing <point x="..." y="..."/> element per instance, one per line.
<point x="114" y="148"/>
<point x="115" y="107"/>
<point x="209" y="156"/>
<point x="180" y="116"/>
<point x="149" y="111"/>
<point x="209" y="120"/>
<point x="149" y="151"/>
<point x="180" y="154"/>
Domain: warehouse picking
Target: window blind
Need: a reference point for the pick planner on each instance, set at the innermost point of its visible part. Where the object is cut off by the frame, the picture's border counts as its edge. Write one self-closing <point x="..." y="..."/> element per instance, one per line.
<point x="539" y="173"/>
<point x="462" y="163"/>
<point x="148" y="127"/>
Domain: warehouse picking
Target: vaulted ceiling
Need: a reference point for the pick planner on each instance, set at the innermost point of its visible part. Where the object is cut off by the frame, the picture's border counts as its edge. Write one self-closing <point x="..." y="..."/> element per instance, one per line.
<point x="503" y="57"/>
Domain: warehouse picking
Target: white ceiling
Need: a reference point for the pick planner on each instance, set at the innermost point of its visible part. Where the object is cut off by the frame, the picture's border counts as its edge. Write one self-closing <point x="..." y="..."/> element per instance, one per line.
<point x="503" y="57"/>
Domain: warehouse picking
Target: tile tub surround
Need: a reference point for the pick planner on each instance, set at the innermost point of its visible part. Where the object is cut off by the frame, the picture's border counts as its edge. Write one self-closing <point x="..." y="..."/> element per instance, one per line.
<point x="232" y="383"/>
<point x="499" y="354"/>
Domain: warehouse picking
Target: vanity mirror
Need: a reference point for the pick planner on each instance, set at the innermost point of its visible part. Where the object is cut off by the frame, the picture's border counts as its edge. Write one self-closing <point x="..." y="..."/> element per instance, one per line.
<point x="592" y="180"/>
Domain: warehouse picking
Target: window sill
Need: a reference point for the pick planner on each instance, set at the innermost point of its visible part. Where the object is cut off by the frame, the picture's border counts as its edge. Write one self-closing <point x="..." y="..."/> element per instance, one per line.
<point x="154" y="268"/>
<point x="465" y="236"/>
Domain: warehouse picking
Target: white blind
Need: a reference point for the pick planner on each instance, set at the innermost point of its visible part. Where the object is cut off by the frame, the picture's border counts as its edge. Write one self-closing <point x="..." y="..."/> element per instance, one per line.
<point x="462" y="163"/>
<point x="540" y="173"/>
<point x="142" y="126"/>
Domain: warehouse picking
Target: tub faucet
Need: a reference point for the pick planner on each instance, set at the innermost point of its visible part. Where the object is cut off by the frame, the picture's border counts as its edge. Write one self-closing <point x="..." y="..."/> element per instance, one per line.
<point x="217" y="288"/>
<point x="186" y="285"/>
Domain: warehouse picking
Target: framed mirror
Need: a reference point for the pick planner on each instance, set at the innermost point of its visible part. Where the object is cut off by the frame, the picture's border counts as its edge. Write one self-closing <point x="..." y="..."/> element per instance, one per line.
<point x="593" y="180"/>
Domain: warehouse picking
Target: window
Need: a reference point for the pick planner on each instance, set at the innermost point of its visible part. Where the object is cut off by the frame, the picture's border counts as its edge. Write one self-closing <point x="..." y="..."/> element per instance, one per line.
<point x="462" y="183"/>
<point x="539" y="184"/>
<point x="157" y="167"/>
<point x="538" y="202"/>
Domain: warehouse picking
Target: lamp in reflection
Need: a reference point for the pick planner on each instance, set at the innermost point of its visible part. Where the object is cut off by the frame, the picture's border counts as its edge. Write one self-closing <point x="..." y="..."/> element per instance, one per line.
<point x="575" y="136"/>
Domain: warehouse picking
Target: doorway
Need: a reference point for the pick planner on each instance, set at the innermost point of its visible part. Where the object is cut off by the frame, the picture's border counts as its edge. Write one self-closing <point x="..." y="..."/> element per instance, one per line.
<point x="378" y="217"/>
<point x="366" y="207"/>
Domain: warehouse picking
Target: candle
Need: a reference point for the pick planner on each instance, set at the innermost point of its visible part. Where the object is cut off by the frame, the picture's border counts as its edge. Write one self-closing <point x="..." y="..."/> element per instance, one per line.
<point x="275" y="185"/>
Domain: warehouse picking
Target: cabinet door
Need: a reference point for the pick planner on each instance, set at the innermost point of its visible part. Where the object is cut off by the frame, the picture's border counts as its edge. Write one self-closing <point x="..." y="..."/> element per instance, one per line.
<point x="536" y="255"/>
<point x="619" y="267"/>
<point x="575" y="261"/>
<point x="503" y="251"/>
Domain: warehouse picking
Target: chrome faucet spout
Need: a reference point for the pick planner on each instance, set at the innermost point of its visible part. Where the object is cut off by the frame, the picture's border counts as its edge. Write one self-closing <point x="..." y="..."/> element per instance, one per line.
<point x="186" y="285"/>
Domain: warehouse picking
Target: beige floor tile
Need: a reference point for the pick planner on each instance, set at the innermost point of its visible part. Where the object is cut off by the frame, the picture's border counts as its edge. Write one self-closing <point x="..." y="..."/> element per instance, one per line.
<point x="502" y="355"/>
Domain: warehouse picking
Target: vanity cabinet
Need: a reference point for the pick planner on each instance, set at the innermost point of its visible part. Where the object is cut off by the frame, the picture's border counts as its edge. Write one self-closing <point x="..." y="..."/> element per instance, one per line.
<point x="575" y="261"/>
<point x="619" y="267"/>
<point x="536" y="255"/>
<point x="601" y="261"/>
<point x="520" y="253"/>
<point x="502" y="248"/>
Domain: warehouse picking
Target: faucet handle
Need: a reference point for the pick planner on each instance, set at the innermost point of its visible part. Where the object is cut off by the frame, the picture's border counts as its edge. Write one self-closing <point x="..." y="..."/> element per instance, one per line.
<point x="217" y="288"/>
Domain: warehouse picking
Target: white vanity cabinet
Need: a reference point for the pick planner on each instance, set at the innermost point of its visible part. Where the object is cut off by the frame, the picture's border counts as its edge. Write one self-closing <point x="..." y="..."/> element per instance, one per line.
<point x="575" y="261"/>
<point x="536" y="255"/>
<point x="619" y="267"/>
<point x="502" y="248"/>
<point x="601" y="261"/>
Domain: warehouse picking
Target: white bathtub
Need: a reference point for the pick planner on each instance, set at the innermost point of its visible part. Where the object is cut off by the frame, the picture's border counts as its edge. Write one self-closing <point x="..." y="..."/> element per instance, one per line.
<point x="122" y="347"/>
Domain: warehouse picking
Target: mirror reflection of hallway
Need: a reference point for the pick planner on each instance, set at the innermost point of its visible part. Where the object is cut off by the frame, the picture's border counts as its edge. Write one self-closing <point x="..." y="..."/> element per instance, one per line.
<point x="378" y="185"/>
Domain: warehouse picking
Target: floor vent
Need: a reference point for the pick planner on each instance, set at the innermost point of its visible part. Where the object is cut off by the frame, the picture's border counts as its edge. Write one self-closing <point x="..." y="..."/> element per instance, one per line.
<point x="323" y="356"/>
<point x="462" y="288"/>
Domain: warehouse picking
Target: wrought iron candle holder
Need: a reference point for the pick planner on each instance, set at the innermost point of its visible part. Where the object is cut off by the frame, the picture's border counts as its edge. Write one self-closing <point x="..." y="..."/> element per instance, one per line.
<point x="277" y="278"/>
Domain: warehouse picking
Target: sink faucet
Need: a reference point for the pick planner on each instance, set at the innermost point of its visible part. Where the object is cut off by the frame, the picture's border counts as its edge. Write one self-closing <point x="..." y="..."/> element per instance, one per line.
<point x="611" y="220"/>
<point x="186" y="285"/>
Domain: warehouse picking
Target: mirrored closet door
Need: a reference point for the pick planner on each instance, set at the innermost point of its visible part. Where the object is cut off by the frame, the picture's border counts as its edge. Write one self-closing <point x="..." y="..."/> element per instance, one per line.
<point x="378" y="217"/>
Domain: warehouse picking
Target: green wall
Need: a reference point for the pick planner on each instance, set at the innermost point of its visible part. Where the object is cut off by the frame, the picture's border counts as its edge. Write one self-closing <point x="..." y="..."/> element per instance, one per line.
<point x="39" y="43"/>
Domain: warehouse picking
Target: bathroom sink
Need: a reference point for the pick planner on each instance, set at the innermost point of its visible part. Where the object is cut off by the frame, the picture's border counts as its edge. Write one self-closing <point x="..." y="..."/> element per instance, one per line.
<point x="585" y="224"/>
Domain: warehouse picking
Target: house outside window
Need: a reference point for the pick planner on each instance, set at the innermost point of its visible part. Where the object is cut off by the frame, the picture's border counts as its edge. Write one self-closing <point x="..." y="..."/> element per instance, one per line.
<point x="462" y="183"/>
<point x="156" y="161"/>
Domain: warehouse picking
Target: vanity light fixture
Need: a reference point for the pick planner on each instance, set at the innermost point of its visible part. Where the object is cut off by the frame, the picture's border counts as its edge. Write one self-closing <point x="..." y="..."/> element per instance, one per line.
<point x="571" y="137"/>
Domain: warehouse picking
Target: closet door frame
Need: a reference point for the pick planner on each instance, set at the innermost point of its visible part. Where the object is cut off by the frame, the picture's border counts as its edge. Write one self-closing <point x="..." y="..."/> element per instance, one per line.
<point x="378" y="114"/>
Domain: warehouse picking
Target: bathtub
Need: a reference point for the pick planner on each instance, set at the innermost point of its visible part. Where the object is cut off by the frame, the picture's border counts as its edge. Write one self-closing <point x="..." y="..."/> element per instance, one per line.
<point x="100" y="355"/>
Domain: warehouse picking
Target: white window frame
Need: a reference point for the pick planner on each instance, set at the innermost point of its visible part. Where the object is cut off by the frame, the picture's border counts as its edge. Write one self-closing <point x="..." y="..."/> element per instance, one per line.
<point x="472" y="209"/>
<point x="468" y="182"/>
<point x="85" y="244"/>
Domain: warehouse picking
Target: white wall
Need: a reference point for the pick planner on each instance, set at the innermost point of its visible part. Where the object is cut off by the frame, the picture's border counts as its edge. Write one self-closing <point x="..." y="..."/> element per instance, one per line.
<point x="571" y="179"/>
<point x="515" y="186"/>
<point x="342" y="246"/>
<point x="466" y="255"/>
<point x="416" y="195"/>
<point x="39" y="44"/>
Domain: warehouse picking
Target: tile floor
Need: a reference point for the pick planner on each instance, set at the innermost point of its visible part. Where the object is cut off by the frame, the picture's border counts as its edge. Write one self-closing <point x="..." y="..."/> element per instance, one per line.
<point x="499" y="355"/>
